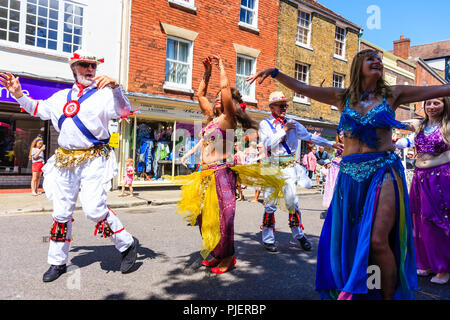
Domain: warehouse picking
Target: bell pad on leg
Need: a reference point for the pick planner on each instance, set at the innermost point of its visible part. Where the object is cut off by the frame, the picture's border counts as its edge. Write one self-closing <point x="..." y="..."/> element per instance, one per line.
<point x="58" y="232"/>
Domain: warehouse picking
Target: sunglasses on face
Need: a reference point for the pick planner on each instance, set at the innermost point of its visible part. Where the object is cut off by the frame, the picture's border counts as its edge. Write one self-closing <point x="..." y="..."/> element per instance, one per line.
<point x="282" y="106"/>
<point x="87" y="64"/>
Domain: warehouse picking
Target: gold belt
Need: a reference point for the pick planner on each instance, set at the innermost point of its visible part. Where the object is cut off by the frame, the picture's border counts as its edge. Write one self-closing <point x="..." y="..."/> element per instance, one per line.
<point x="284" y="161"/>
<point x="72" y="158"/>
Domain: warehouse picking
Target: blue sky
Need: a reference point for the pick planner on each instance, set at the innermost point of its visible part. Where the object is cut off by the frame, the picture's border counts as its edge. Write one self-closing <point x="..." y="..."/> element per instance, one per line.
<point x="421" y="21"/>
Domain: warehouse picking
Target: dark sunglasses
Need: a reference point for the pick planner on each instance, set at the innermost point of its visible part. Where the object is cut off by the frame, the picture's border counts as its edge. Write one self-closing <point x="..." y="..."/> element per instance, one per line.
<point x="87" y="64"/>
<point x="284" y="106"/>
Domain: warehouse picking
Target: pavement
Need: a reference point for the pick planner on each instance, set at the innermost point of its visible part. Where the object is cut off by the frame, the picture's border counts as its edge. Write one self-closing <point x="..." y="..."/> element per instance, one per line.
<point x="24" y="202"/>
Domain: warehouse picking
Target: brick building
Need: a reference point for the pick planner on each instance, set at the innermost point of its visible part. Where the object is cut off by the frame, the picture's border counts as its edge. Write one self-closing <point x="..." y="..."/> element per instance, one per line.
<point x="167" y="40"/>
<point x="430" y="60"/>
<point x="316" y="46"/>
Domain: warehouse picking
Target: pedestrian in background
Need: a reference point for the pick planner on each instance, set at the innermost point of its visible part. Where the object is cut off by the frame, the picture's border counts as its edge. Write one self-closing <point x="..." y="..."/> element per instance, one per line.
<point x="37" y="162"/>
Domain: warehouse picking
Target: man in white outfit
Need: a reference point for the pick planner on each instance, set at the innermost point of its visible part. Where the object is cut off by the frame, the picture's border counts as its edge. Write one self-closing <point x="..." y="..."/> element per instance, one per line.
<point x="84" y="164"/>
<point x="280" y="137"/>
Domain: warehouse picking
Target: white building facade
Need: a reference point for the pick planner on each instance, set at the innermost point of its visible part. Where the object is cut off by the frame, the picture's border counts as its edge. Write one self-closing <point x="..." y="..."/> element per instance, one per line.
<point x="36" y="39"/>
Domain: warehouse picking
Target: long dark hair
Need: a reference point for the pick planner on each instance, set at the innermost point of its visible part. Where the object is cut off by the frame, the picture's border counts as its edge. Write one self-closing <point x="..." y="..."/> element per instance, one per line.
<point x="241" y="116"/>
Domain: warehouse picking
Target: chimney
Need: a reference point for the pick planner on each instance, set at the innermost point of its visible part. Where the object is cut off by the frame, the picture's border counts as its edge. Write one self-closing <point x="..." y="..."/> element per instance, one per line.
<point x="402" y="47"/>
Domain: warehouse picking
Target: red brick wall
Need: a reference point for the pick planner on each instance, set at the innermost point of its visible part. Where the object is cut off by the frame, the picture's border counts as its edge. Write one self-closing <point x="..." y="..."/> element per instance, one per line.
<point x="217" y="25"/>
<point x="423" y="77"/>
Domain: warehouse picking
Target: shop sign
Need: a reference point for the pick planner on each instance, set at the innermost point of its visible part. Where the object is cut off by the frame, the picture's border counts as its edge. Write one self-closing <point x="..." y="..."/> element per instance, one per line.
<point x="34" y="88"/>
<point x="168" y="111"/>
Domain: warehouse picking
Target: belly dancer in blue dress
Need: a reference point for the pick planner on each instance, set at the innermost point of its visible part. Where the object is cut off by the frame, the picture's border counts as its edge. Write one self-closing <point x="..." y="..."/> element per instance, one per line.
<point x="367" y="230"/>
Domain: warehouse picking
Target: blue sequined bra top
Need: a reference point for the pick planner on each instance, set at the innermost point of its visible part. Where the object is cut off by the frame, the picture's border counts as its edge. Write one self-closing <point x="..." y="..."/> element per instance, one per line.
<point x="363" y="127"/>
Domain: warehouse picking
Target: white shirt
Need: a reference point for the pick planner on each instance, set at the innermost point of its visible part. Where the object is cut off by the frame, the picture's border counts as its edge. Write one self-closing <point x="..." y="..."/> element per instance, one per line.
<point x="95" y="113"/>
<point x="272" y="140"/>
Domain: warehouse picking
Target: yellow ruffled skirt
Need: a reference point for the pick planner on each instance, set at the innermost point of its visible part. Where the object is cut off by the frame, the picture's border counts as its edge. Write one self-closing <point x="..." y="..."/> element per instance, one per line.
<point x="199" y="196"/>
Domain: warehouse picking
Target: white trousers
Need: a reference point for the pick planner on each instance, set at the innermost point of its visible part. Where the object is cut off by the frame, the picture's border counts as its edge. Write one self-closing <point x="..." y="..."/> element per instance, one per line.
<point x="87" y="181"/>
<point x="291" y="176"/>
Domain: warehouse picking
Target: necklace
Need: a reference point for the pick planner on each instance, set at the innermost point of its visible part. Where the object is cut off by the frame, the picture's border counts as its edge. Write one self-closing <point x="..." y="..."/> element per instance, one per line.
<point x="430" y="129"/>
<point x="366" y="94"/>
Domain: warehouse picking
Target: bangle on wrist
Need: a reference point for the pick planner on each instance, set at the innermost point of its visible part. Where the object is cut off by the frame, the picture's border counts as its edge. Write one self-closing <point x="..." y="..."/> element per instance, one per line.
<point x="274" y="72"/>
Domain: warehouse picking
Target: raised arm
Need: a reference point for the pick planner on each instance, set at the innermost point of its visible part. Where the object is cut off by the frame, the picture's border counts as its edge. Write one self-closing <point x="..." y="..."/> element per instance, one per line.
<point x="205" y="106"/>
<point x="408" y="94"/>
<point x="40" y="109"/>
<point x="227" y="99"/>
<point x="328" y="95"/>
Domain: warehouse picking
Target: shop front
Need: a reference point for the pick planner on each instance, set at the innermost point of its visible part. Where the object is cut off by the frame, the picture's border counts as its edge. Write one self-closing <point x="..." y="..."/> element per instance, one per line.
<point x="18" y="129"/>
<point x="324" y="129"/>
<point x="158" y="136"/>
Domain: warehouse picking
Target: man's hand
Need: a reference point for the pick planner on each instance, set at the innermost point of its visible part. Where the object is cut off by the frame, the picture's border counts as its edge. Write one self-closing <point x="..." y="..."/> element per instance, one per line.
<point x="12" y="84"/>
<point x="104" y="81"/>
<point x="262" y="74"/>
<point x="289" y="125"/>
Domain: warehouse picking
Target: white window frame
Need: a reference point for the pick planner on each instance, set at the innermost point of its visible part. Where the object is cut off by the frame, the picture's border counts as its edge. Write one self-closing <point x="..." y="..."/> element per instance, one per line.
<point x="343" y="42"/>
<point x="189" y="4"/>
<point x="251" y="96"/>
<point x="336" y="76"/>
<point x="306" y="45"/>
<point x="22" y="46"/>
<point x="254" y="25"/>
<point x="298" y="97"/>
<point x="168" y="85"/>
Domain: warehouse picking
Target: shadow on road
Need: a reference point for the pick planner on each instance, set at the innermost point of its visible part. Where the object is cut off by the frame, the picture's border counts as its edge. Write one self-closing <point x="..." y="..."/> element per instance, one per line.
<point x="258" y="274"/>
<point x="108" y="256"/>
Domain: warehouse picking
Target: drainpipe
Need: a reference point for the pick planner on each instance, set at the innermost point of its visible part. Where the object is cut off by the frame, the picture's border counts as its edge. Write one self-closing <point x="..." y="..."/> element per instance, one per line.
<point x="359" y="39"/>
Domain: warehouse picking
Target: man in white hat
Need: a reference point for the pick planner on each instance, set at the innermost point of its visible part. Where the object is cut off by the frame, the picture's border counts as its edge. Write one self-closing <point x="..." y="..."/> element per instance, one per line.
<point x="84" y="164"/>
<point x="280" y="136"/>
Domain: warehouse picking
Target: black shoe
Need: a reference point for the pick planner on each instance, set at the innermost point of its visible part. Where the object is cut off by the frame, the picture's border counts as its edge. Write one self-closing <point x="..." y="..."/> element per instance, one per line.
<point x="129" y="257"/>
<point x="270" y="247"/>
<point x="54" y="272"/>
<point x="306" y="245"/>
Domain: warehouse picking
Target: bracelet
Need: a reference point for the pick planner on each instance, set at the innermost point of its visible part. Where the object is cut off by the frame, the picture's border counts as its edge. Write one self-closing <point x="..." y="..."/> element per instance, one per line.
<point x="275" y="73"/>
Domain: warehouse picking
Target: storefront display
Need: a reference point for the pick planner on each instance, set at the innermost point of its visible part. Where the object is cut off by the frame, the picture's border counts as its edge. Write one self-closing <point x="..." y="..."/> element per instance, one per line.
<point x="18" y="129"/>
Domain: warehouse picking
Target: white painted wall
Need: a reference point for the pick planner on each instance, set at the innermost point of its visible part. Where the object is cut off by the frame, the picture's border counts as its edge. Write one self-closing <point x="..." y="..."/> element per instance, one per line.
<point x="101" y="36"/>
<point x="438" y="64"/>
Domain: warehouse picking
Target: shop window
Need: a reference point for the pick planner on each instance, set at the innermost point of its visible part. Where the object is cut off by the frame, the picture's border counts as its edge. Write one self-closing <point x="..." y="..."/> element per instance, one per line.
<point x="150" y="143"/>
<point x="16" y="136"/>
<point x="153" y="149"/>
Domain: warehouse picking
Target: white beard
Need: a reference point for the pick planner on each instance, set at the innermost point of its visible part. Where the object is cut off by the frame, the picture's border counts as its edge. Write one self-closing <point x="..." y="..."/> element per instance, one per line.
<point x="83" y="81"/>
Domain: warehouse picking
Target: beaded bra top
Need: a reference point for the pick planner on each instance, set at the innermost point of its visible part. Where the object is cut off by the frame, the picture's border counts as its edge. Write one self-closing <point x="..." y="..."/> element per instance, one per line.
<point x="432" y="143"/>
<point x="210" y="131"/>
<point x="364" y="127"/>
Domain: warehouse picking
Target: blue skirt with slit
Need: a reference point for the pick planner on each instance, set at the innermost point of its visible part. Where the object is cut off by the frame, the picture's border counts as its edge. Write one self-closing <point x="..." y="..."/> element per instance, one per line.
<point x="343" y="261"/>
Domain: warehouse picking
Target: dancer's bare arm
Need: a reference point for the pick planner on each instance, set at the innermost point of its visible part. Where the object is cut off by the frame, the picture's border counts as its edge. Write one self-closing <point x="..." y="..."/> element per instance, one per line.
<point x="408" y="94"/>
<point x="326" y="95"/>
<point x="227" y="100"/>
<point x="205" y="105"/>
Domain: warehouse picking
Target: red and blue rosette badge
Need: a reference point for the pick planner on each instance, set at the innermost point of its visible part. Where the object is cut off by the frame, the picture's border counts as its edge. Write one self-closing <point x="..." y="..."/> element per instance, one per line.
<point x="71" y="108"/>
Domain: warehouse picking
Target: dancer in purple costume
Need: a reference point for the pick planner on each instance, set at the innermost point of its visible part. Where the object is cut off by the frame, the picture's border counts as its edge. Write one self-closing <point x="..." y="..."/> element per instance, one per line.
<point x="430" y="190"/>
<point x="224" y="115"/>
